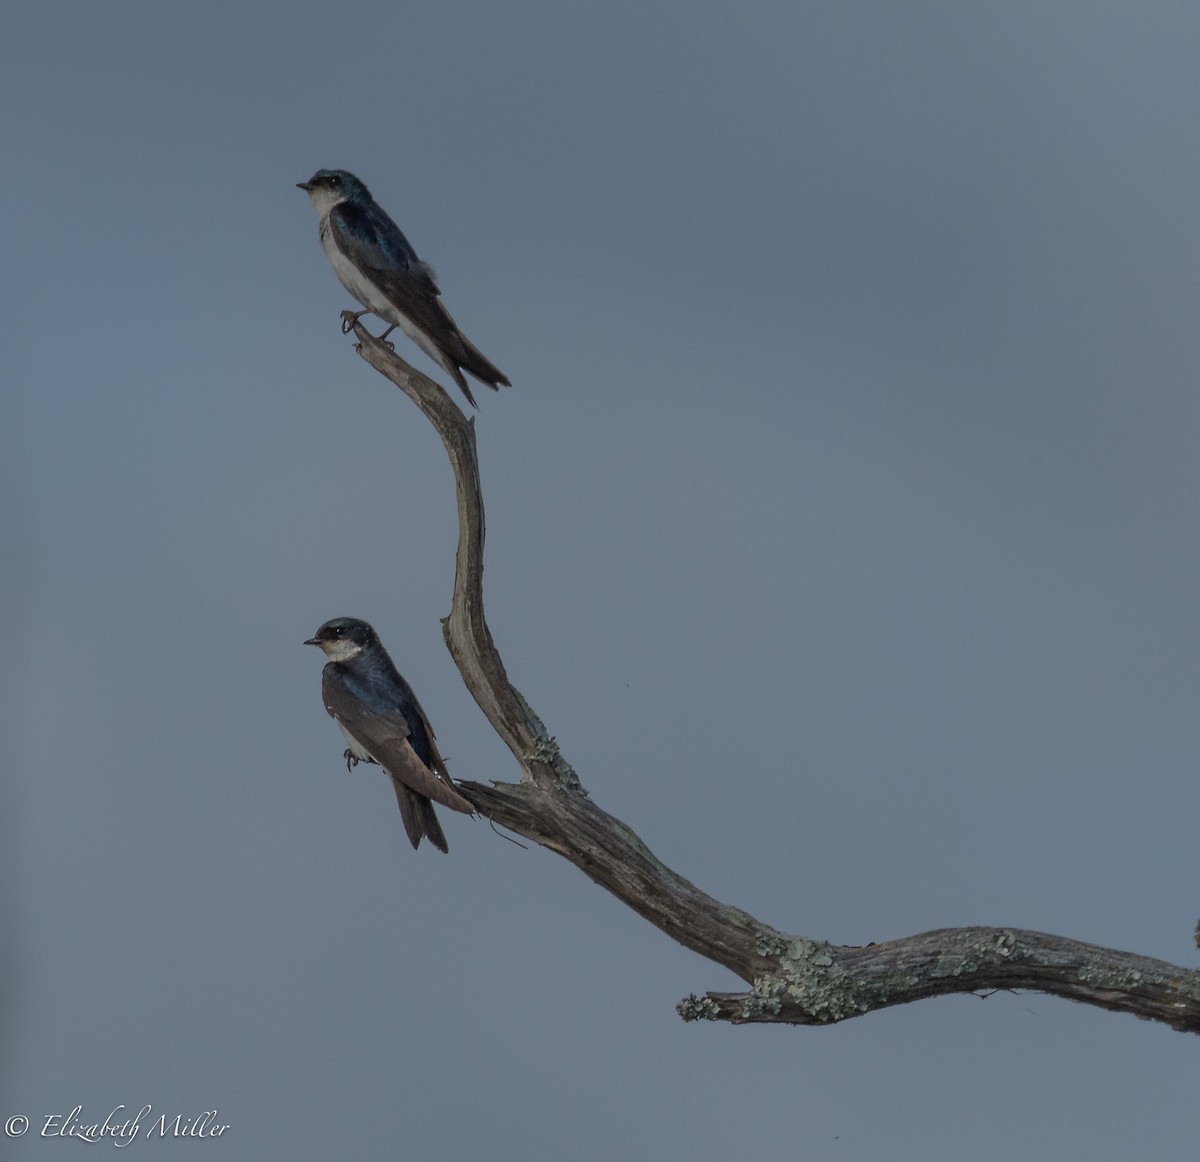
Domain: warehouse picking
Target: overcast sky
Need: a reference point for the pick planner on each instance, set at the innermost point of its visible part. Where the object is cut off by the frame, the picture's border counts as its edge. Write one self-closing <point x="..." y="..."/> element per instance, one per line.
<point x="842" y="526"/>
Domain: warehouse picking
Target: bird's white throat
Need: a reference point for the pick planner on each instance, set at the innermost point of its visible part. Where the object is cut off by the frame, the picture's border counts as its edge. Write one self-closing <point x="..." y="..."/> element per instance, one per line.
<point x="341" y="650"/>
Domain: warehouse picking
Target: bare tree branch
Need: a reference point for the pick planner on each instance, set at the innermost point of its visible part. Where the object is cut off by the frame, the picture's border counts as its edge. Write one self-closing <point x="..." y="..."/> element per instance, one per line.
<point x="793" y="979"/>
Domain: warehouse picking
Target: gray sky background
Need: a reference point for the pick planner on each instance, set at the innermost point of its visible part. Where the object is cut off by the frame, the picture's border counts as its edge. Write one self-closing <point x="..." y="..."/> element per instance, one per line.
<point x="842" y="528"/>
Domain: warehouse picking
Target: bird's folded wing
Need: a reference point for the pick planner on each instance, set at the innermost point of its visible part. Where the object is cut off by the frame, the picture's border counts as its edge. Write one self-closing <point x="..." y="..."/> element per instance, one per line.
<point x="398" y="758"/>
<point x="384" y="735"/>
<point x="438" y="763"/>
<point x="383" y="254"/>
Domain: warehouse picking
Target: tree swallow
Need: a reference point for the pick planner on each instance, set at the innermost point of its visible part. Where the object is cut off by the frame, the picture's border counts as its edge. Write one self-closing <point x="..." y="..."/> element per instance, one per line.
<point x="380" y="269"/>
<point x="383" y="722"/>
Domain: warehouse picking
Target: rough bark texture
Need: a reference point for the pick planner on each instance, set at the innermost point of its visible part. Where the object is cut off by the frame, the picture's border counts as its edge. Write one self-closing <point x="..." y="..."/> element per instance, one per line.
<point x="793" y="979"/>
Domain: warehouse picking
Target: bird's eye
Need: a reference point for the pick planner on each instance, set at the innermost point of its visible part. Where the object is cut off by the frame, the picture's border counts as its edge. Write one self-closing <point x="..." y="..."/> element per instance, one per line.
<point x="339" y="630"/>
<point x="334" y="181"/>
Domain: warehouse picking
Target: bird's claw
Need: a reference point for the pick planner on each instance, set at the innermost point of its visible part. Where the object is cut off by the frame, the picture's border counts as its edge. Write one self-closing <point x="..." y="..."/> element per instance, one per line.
<point x="352" y="760"/>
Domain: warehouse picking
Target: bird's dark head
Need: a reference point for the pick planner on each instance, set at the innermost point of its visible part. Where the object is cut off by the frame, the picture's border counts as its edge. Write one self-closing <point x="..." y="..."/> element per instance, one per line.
<point x="344" y="638"/>
<point x="328" y="187"/>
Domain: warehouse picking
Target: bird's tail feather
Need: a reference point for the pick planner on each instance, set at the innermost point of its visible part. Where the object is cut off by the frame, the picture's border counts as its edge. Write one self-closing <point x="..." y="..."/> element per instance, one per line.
<point x="462" y="353"/>
<point x="452" y="367"/>
<point x="420" y="819"/>
<point x="480" y="366"/>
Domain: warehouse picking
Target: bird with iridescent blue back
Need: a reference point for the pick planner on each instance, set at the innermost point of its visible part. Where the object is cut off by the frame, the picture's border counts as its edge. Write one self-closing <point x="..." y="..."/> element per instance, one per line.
<point x="379" y="267"/>
<point x="383" y="723"/>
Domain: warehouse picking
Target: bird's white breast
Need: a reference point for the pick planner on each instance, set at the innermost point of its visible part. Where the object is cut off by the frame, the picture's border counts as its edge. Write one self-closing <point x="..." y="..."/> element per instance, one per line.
<point x="356" y="747"/>
<point x="353" y="279"/>
<point x="371" y="297"/>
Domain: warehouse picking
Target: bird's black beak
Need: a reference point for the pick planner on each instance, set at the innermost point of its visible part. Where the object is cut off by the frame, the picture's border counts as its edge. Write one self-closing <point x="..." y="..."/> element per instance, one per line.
<point x="312" y="641"/>
<point x="305" y="186"/>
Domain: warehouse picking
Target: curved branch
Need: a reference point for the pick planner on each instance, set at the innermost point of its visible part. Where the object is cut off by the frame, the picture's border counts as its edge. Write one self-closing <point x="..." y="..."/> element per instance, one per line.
<point x="819" y="984"/>
<point x="794" y="979"/>
<point x="467" y="635"/>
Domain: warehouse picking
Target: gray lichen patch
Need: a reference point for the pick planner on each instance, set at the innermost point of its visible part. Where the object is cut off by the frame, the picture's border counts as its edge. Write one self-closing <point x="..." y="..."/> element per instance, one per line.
<point x="809" y="978"/>
<point x="694" y="1008"/>
<point x="1124" y="979"/>
<point x="768" y="942"/>
<point x="967" y="957"/>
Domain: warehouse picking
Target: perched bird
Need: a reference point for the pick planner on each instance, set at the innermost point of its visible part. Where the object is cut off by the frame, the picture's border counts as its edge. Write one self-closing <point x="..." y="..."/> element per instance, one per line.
<point x="383" y="722"/>
<point x="380" y="269"/>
